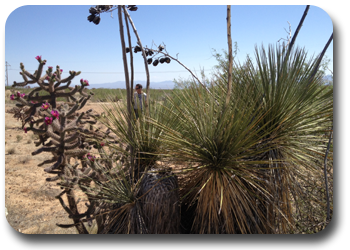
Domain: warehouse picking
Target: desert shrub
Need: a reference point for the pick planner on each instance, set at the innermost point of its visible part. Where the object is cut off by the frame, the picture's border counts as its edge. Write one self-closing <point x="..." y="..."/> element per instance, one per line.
<point x="19" y="138"/>
<point x="24" y="160"/>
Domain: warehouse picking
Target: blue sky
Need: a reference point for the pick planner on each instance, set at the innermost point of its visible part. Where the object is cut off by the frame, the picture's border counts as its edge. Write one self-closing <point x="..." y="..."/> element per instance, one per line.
<point x="62" y="35"/>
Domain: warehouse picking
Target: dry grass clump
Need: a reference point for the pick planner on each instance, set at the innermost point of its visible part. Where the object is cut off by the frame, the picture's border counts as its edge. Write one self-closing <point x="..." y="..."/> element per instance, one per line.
<point x="19" y="138"/>
<point x="24" y="160"/>
<point x="12" y="151"/>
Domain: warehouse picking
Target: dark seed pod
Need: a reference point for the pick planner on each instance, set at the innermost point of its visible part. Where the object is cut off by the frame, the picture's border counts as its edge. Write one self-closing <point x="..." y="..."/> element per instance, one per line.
<point x="133" y="9"/>
<point x="167" y="59"/>
<point x="137" y="48"/>
<point x="149" y="60"/>
<point x="162" y="60"/>
<point x="97" y="20"/>
<point x="155" y="63"/>
<point x="127" y="50"/>
<point x="91" y="17"/>
<point x="160" y="47"/>
<point x="101" y="7"/>
<point x="131" y="6"/>
<point x="93" y="10"/>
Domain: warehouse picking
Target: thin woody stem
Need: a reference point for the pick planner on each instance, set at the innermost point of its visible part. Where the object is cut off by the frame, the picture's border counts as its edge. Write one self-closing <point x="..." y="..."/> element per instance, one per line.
<point x="143" y="54"/>
<point x="193" y="75"/>
<point x="131" y="59"/>
<point x="230" y="59"/>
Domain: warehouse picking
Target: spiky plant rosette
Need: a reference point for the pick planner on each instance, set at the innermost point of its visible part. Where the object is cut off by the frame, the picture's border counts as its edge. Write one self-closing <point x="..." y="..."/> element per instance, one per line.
<point x="142" y="191"/>
<point x="222" y="180"/>
<point x="143" y="138"/>
<point x="298" y="111"/>
<point x="117" y="194"/>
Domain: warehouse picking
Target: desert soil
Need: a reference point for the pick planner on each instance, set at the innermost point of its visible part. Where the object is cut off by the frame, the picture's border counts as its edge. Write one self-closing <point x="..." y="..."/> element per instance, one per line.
<point x="29" y="199"/>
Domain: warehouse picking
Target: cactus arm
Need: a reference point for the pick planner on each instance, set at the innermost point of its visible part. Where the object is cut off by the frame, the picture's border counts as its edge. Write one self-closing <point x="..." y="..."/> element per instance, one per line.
<point x="37" y="131"/>
<point x="72" y="110"/>
<point x="72" y="146"/>
<point x="76" y="152"/>
<point x="24" y="102"/>
<point x="50" y="133"/>
<point x="24" y="76"/>
<point x="71" y="138"/>
<point x="84" y="102"/>
<point x="74" y="123"/>
<point x="43" y="85"/>
<point x="62" y="87"/>
<point x="31" y="93"/>
<point x="56" y="125"/>
<point x="54" y="142"/>
<point x="55" y="178"/>
<point x="47" y="162"/>
<point x="40" y="69"/>
<point x="56" y="165"/>
<point x="67" y="210"/>
<point x="51" y="87"/>
<point x="25" y="73"/>
<point x="44" y="149"/>
<point x="43" y="78"/>
<point x="72" y="75"/>
<point x="69" y="93"/>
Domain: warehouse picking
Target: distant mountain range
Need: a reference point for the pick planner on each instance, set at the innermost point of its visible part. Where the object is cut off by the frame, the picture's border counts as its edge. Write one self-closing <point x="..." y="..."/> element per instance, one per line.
<point x="153" y="85"/>
<point x="121" y="85"/>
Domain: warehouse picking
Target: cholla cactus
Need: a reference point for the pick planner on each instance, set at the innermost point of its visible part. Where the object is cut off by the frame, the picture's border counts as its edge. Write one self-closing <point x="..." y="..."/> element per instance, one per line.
<point x="60" y="128"/>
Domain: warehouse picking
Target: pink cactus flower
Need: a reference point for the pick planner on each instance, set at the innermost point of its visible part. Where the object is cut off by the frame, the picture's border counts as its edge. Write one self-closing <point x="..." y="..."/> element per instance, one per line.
<point x="61" y="70"/>
<point x="55" y="113"/>
<point x="50" y="68"/>
<point x="102" y="144"/>
<point x="92" y="158"/>
<point x="38" y="58"/>
<point x="81" y="80"/>
<point x="23" y="95"/>
<point x="48" y="120"/>
<point x="86" y="82"/>
<point x="45" y="105"/>
<point x="25" y="130"/>
<point x="12" y="97"/>
<point x="18" y="94"/>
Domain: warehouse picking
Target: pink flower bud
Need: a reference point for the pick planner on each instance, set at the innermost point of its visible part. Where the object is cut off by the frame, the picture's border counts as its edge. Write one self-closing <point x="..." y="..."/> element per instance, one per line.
<point x="25" y="130"/>
<point x="45" y="105"/>
<point x="18" y="94"/>
<point x="23" y="95"/>
<point x="38" y="58"/>
<point x="12" y="97"/>
<point x="55" y="113"/>
<point x="86" y="82"/>
<point x="61" y="70"/>
<point x="102" y="144"/>
<point x="48" y="120"/>
<point x="50" y="68"/>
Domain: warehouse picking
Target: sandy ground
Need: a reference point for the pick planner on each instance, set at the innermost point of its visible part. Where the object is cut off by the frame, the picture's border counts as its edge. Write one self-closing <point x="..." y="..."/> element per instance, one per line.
<point x="29" y="199"/>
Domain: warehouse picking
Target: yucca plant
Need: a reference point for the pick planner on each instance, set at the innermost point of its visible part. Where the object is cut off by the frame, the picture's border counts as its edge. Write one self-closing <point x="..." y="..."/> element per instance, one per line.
<point x="221" y="183"/>
<point x="144" y="193"/>
<point x="298" y="110"/>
